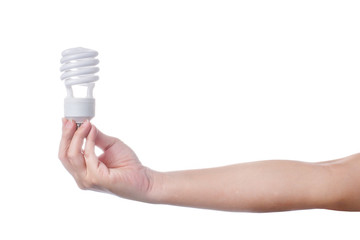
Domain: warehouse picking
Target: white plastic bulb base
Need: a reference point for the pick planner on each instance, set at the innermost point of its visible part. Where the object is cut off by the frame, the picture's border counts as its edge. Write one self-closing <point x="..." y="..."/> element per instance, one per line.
<point x="79" y="109"/>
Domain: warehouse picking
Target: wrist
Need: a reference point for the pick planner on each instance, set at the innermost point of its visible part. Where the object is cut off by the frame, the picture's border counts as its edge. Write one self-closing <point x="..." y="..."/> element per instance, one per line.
<point x="156" y="193"/>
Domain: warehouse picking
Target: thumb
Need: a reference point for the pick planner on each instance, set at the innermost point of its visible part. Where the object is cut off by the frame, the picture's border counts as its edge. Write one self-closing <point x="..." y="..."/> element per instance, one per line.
<point x="104" y="141"/>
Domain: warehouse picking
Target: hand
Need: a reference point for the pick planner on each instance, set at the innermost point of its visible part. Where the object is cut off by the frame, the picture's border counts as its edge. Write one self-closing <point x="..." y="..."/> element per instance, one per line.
<point x="117" y="170"/>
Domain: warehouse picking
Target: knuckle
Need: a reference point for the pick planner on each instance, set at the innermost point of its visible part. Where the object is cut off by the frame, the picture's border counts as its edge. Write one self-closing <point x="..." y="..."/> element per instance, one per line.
<point x="81" y="186"/>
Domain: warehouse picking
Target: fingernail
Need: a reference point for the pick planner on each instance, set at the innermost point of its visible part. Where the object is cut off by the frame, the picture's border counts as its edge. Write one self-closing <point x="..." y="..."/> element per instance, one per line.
<point x="69" y="124"/>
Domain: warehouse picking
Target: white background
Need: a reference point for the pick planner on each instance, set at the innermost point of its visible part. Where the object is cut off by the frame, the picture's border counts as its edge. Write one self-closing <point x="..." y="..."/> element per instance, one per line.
<point x="187" y="84"/>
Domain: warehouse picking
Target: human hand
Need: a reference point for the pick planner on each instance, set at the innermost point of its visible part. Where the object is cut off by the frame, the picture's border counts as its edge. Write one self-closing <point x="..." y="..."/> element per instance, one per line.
<point x="117" y="170"/>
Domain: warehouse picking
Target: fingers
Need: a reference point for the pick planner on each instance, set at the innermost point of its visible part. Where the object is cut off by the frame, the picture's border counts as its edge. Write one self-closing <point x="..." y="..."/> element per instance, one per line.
<point x="74" y="153"/>
<point x="92" y="161"/>
<point x="68" y="130"/>
<point x="83" y="165"/>
<point x="89" y="151"/>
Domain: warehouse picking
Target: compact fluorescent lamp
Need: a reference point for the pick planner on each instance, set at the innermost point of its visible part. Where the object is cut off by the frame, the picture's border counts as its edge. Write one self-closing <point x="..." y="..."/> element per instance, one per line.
<point x="79" y="68"/>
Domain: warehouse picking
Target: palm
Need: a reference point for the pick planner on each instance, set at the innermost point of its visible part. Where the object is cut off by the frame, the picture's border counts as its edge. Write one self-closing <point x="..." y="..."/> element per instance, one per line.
<point x="124" y="170"/>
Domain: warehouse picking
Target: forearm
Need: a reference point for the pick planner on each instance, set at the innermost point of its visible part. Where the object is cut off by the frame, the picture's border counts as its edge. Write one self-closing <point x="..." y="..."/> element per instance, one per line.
<point x="274" y="185"/>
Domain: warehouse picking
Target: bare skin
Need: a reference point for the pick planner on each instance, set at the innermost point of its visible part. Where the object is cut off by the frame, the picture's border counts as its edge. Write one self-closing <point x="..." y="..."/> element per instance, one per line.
<point x="263" y="186"/>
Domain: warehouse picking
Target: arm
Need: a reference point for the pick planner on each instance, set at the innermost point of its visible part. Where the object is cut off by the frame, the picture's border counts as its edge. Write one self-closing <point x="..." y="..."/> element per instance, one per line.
<point x="274" y="185"/>
<point x="266" y="186"/>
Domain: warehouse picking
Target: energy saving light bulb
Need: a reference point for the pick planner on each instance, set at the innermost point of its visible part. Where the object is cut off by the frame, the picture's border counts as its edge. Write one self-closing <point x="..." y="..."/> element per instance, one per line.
<point x="79" y="69"/>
